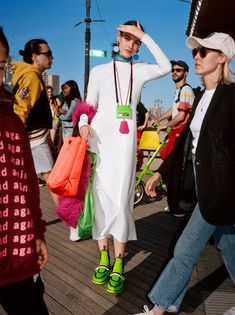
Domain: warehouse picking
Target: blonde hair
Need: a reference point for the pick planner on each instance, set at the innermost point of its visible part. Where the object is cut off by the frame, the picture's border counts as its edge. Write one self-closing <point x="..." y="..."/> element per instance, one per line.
<point x="227" y="76"/>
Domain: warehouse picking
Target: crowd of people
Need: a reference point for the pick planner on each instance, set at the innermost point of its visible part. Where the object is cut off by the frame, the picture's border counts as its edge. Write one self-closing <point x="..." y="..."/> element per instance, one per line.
<point x="198" y="161"/>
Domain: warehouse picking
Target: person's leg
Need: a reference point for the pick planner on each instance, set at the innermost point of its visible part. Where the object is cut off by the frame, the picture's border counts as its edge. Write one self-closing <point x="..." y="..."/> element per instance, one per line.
<point x="224" y="237"/>
<point x="103" y="244"/>
<point x="102" y="272"/>
<point x="116" y="280"/>
<point x="170" y="288"/>
<point x="52" y="135"/>
<point x="43" y="163"/>
<point x="119" y="248"/>
<point x="73" y="234"/>
<point x="24" y="297"/>
<point x="67" y="132"/>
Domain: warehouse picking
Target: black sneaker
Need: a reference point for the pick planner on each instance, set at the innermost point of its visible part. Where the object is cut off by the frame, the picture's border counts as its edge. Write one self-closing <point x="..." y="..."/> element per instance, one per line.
<point x="41" y="182"/>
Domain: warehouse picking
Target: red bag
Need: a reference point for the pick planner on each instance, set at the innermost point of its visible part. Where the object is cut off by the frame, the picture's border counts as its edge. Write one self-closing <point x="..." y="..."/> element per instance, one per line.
<point x="168" y="147"/>
<point x="65" y="175"/>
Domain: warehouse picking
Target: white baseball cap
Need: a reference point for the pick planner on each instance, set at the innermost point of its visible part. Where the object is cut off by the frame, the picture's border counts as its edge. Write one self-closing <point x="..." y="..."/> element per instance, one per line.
<point x="220" y="41"/>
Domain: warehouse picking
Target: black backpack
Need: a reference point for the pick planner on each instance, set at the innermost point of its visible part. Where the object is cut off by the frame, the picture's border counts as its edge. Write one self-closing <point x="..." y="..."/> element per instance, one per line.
<point x="195" y="91"/>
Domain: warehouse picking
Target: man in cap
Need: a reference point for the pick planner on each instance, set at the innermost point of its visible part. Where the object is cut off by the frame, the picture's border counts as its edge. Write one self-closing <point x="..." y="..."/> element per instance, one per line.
<point x="178" y="114"/>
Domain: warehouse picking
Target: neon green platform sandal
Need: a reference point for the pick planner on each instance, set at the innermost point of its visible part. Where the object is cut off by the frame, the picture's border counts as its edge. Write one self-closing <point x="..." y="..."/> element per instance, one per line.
<point x="102" y="272"/>
<point x="116" y="278"/>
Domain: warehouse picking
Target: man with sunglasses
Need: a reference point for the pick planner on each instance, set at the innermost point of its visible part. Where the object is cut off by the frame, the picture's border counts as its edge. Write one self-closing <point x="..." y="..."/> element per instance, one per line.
<point x="32" y="104"/>
<point x="178" y="114"/>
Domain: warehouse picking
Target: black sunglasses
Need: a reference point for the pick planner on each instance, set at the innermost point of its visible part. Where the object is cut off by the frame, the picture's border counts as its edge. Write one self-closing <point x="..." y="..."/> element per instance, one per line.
<point x="177" y="70"/>
<point x="46" y="53"/>
<point x="203" y="51"/>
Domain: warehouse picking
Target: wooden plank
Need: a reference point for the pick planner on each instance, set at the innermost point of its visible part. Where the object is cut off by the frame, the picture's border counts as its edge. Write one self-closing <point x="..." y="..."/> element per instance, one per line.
<point x="67" y="276"/>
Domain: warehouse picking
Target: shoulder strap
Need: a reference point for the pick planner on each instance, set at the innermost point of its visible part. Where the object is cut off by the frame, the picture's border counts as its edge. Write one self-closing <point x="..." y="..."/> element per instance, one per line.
<point x="180" y="89"/>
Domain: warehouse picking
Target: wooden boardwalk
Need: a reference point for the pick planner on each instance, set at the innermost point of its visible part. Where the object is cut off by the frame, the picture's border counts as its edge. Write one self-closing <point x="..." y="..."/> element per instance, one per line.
<point x="67" y="276"/>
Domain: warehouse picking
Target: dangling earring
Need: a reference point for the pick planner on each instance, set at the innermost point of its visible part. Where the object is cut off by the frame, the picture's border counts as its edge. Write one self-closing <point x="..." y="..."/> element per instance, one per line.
<point x="116" y="49"/>
<point x="136" y="56"/>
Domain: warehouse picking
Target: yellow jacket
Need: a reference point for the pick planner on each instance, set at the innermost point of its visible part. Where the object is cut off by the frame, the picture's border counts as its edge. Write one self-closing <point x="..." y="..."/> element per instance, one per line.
<point x="30" y="88"/>
<point x="31" y="102"/>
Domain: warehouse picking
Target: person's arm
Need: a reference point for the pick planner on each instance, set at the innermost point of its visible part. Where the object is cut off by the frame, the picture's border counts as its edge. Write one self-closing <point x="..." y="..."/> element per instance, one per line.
<point x="175" y="121"/>
<point x="145" y="121"/>
<point x="152" y="71"/>
<point x="184" y="107"/>
<point x="166" y="115"/>
<point x="29" y="91"/>
<point x="92" y="98"/>
<point x="42" y="252"/>
<point x="163" y="173"/>
<point x="68" y="115"/>
<point x="152" y="183"/>
<point x="162" y="66"/>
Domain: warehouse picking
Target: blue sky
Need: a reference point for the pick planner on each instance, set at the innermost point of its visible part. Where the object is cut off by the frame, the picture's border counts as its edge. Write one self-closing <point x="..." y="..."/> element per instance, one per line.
<point x="54" y="20"/>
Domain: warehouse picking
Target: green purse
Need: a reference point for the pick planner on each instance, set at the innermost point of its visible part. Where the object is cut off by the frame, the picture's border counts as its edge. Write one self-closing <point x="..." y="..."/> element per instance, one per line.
<point x="86" y="219"/>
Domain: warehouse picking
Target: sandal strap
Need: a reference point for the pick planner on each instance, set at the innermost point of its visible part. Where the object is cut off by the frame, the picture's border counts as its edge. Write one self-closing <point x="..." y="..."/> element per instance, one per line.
<point x="120" y="275"/>
<point x="102" y="266"/>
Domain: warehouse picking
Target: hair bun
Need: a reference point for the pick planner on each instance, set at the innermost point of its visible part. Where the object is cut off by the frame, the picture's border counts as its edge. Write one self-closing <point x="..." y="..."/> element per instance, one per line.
<point x="22" y="52"/>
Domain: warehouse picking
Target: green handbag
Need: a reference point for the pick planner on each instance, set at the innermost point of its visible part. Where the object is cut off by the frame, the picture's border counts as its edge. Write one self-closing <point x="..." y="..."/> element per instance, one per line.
<point x="86" y="219"/>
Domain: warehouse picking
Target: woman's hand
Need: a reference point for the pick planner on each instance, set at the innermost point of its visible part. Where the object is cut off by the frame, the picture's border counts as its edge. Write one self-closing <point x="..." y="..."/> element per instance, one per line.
<point x="141" y="127"/>
<point x="152" y="183"/>
<point x="62" y="111"/>
<point x="132" y="29"/>
<point x="86" y="131"/>
<point x="42" y="253"/>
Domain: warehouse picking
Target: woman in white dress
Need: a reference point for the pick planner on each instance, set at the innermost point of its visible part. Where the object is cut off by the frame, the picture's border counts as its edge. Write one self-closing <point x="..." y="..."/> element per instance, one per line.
<point x="112" y="136"/>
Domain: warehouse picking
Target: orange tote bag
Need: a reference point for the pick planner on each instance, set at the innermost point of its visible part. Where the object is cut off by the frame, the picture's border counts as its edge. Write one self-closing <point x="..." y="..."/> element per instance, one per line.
<point x="65" y="175"/>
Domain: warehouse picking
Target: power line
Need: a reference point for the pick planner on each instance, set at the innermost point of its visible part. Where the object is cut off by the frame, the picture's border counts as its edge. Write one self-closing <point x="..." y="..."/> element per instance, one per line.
<point x="104" y="29"/>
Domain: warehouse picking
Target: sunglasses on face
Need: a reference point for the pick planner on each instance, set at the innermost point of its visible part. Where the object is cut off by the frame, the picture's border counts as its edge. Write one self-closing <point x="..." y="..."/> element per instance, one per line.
<point x="46" y="53"/>
<point x="177" y="70"/>
<point x="203" y="51"/>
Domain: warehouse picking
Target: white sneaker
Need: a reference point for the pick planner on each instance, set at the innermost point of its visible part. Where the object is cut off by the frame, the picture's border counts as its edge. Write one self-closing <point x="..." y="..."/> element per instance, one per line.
<point x="73" y="236"/>
<point x="167" y="209"/>
<point x="146" y="311"/>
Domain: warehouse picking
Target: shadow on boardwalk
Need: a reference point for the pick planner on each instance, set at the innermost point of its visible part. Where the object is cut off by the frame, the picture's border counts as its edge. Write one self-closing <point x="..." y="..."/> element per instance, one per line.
<point x="157" y="235"/>
<point x="67" y="275"/>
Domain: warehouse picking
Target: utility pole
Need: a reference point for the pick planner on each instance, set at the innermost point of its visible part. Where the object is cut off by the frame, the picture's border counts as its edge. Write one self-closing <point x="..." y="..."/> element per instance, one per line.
<point x="87" y="20"/>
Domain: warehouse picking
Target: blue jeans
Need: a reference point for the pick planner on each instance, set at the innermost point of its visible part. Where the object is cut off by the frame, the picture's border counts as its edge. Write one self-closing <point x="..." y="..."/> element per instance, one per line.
<point x="66" y="132"/>
<point x="169" y="290"/>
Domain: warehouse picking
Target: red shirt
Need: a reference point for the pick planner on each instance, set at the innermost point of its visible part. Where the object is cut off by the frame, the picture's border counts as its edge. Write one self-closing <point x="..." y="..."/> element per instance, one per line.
<point x="20" y="215"/>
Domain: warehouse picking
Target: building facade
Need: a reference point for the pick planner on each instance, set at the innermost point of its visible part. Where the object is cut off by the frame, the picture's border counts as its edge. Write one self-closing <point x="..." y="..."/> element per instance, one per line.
<point x="52" y="80"/>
